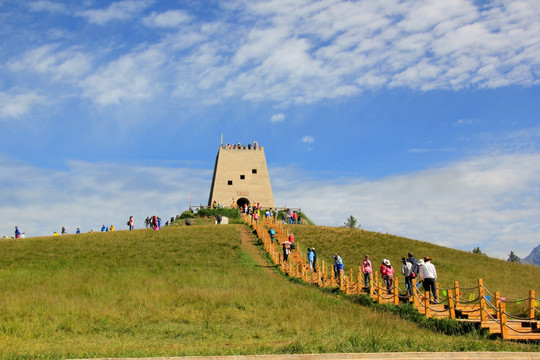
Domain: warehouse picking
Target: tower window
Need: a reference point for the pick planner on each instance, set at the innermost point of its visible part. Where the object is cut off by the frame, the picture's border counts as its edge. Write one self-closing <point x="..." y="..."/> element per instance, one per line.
<point x="242" y="177"/>
<point x="254" y="171"/>
<point x="229" y="182"/>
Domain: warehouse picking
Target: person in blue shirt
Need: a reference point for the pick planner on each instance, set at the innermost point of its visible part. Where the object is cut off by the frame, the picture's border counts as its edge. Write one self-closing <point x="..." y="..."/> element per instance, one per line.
<point x="17" y="232"/>
<point x="78" y="231"/>
<point x="338" y="265"/>
<point x="311" y="258"/>
<point x="103" y="228"/>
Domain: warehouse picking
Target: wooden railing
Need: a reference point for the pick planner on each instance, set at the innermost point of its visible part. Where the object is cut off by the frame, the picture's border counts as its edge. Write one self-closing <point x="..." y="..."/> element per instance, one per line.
<point x="490" y="310"/>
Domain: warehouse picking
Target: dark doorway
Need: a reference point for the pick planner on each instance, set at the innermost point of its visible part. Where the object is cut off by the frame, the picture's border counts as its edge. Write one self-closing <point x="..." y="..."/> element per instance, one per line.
<point x="241" y="202"/>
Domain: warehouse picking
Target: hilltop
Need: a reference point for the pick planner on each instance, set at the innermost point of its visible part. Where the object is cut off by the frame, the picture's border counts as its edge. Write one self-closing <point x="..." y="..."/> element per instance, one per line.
<point x="184" y="290"/>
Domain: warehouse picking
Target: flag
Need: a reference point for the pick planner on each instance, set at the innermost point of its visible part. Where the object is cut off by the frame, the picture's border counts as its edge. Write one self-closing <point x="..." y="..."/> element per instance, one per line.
<point x="444" y="292"/>
<point x="471" y="297"/>
<point x="518" y="302"/>
<point x="221" y="139"/>
<point x="488" y="298"/>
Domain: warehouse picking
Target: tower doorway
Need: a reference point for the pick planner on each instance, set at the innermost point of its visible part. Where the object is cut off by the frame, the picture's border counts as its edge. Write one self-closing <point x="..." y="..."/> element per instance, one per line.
<point x="241" y="202"/>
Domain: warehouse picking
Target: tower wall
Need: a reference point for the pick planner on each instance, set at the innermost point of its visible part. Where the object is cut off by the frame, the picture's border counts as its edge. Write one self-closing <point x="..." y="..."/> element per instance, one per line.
<point x="241" y="174"/>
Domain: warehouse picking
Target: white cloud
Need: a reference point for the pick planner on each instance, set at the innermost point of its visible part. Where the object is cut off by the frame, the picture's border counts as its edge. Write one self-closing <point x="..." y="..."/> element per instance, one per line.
<point x="277" y="118"/>
<point x="308" y="139"/>
<point x="167" y="19"/>
<point x="14" y="105"/>
<point x="303" y="52"/>
<point x="88" y="195"/>
<point x="132" y="77"/>
<point x="49" y="6"/>
<point x="120" y="10"/>
<point x="66" y="64"/>
<point x="492" y="202"/>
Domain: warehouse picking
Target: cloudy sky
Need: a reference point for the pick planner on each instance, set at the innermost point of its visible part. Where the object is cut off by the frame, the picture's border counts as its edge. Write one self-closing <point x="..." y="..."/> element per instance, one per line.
<point x="420" y="118"/>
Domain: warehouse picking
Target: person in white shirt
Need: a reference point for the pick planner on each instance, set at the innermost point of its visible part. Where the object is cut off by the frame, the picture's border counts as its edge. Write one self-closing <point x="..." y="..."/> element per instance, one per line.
<point x="429" y="277"/>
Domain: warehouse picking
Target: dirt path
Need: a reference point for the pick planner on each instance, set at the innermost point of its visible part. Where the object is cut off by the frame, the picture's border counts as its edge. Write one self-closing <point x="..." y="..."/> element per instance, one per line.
<point x="249" y="243"/>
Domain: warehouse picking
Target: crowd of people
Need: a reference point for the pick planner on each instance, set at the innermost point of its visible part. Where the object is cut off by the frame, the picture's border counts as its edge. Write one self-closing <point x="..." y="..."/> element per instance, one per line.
<point x="151" y="222"/>
<point x="240" y="146"/>
<point x="422" y="270"/>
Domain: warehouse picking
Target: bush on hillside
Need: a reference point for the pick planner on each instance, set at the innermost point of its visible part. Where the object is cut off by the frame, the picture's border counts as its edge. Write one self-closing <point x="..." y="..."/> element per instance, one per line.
<point x="230" y="213"/>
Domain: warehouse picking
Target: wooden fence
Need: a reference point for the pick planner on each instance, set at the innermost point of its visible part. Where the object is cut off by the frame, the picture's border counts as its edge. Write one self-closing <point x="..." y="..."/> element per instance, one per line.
<point x="490" y="310"/>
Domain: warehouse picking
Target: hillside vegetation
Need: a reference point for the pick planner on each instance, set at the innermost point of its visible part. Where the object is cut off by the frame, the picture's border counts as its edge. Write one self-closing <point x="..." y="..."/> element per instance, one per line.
<point x="184" y="290"/>
<point x="512" y="280"/>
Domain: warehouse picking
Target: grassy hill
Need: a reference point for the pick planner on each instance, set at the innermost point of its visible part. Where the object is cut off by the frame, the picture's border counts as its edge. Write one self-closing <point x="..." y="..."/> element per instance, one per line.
<point x="183" y="291"/>
<point x="512" y="280"/>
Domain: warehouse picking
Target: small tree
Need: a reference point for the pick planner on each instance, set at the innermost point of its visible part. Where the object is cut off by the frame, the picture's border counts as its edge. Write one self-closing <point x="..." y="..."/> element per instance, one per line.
<point x="477" y="250"/>
<point x="351" y="223"/>
<point x="513" y="257"/>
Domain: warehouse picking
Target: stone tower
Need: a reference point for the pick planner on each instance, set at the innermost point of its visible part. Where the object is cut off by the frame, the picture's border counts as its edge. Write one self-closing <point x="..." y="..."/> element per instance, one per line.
<point x="241" y="176"/>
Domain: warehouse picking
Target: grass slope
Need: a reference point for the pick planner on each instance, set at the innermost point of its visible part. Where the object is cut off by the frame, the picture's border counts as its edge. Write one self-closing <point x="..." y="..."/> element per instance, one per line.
<point x="510" y="279"/>
<point x="181" y="291"/>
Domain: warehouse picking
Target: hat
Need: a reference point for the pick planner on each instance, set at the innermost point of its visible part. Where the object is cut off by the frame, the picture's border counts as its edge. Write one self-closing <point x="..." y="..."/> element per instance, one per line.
<point x="403" y="259"/>
<point x="384" y="261"/>
<point x="420" y="262"/>
<point x="427" y="258"/>
<point x="387" y="262"/>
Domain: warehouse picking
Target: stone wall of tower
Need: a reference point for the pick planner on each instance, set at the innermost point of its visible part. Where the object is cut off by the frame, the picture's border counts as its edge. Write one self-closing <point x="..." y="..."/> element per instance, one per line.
<point x="241" y="174"/>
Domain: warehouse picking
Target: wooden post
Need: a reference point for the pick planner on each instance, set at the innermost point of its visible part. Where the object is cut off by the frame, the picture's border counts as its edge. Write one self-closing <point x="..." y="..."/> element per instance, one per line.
<point x="456" y="289"/>
<point x="341" y="274"/>
<point x="360" y="277"/>
<point x="396" y="292"/>
<point x="379" y="295"/>
<point x="502" y="311"/>
<point x="437" y="291"/>
<point x="531" y="304"/>
<point x="451" y="309"/>
<point x="482" y="300"/>
<point x="426" y="304"/>
<point x="371" y="286"/>
<point x="414" y="292"/>
<point x="346" y="285"/>
<point x="497" y="302"/>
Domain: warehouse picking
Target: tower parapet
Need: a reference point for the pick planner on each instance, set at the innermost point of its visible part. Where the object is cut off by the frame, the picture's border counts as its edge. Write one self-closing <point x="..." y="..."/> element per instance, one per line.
<point x="241" y="177"/>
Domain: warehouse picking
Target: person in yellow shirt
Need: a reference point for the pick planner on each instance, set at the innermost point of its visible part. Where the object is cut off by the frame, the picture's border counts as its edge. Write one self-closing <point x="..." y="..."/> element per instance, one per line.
<point x="112" y="228"/>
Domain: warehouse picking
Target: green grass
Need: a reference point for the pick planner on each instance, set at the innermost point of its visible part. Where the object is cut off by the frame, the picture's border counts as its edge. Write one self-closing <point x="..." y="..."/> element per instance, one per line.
<point x="512" y="280"/>
<point x="182" y="291"/>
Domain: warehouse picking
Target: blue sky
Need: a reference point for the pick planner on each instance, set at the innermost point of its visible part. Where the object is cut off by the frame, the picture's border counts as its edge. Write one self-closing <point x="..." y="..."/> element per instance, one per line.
<point x="420" y="118"/>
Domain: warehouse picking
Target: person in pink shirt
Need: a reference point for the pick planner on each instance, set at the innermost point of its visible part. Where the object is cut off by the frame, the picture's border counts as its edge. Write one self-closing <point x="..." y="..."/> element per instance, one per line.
<point x="367" y="269"/>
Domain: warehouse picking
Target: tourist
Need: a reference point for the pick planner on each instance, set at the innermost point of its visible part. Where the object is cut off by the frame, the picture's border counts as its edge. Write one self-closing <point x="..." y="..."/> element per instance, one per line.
<point x="64" y="232"/>
<point x="338" y="265"/>
<point x="286" y="250"/>
<point x="272" y="233"/>
<point x="187" y="222"/>
<point x="389" y="276"/>
<point x="103" y="228"/>
<point x="429" y="277"/>
<point x="78" y="231"/>
<point x="314" y="259"/>
<point x="218" y="219"/>
<point x="291" y="239"/>
<point x="256" y="217"/>
<point x="367" y="269"/>
<point x="406" y="270"/>
<point x="112" y="228"/>
<point x="311" y="258"/>
<point x="131" y="223"/>
<point x="17" y="233"/>
<point x="414" y="264"/>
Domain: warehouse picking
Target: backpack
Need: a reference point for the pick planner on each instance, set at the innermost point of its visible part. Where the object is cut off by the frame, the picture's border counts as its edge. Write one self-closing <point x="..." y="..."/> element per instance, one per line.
<point x="128" y="223"/>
